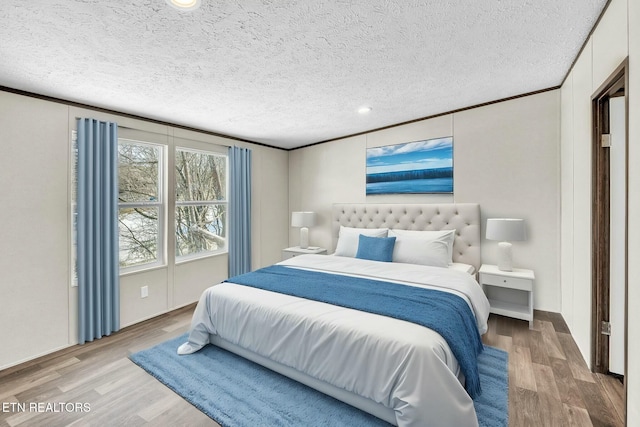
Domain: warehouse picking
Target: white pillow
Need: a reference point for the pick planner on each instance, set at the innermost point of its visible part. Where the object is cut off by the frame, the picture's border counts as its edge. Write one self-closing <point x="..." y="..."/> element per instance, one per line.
<point x="421" y="251"/>
<point x="348" y="239"/>
<point x="446" y="236"/>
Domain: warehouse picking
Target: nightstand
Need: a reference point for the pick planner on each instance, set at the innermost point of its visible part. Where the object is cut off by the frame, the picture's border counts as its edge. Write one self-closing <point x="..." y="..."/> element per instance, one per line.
<point x="297" y="250"/>
<point x="510" y="293"/>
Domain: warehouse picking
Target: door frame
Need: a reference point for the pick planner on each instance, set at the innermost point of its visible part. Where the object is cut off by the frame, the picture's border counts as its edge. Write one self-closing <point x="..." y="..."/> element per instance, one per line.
<point x="600" y="250"/>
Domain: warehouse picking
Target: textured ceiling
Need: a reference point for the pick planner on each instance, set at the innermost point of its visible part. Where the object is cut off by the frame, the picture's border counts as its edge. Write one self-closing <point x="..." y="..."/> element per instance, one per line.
<point x="290" y="73"/>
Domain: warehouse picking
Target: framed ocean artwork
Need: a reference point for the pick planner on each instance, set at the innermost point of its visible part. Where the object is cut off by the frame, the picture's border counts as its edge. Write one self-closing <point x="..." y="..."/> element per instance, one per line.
<point x="411" y="167"/>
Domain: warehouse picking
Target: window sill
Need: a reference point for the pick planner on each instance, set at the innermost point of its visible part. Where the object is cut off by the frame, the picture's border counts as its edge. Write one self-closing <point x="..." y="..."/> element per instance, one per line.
<point x="197" y="257"/>
<point x="184" y="260"/>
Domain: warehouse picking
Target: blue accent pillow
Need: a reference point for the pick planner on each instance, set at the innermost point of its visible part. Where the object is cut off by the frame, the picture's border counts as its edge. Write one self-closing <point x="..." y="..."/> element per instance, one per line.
<point x="376" y="248"/>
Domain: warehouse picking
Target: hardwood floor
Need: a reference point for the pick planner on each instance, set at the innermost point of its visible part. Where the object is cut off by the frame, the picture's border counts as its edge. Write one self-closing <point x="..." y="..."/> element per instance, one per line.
<point x="549" y="384"/>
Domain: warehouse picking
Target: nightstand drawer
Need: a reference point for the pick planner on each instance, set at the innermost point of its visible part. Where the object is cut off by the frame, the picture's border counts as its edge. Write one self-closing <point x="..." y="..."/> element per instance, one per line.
<point x="506" y="282"/>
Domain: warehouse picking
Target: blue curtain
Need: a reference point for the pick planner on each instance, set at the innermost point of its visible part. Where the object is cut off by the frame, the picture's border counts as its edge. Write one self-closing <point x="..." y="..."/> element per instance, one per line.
<point x="98" y="270"/>
<point x="239" y="211"/>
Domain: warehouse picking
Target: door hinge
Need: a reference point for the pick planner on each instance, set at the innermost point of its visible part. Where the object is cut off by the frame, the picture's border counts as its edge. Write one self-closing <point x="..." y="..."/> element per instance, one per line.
<point x="605" y="328"/>
<point x="606" y="140"/>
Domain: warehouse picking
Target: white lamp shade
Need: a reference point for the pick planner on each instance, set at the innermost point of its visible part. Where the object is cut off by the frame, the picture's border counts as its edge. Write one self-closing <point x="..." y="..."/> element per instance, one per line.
<point x="505" y="229"/>
<point x="303" y="219"/>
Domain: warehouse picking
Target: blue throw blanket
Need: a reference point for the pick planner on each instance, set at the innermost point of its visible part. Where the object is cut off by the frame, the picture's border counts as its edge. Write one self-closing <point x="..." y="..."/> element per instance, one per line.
<point x="447" y="314"/>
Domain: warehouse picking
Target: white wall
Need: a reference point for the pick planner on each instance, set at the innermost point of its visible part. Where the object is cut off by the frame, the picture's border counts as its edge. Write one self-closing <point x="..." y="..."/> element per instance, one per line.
<point x="633" y="254"/>
<point x="603" y="53"/>
<point x="508" y="160"/>
<point x="34" y="216"/>
<point x="506" y="157"/>
<point x="616" y="37"/>
<point x="323" y="174"/>
<point x="38" y="305"/>
<point x="566" y="202"/>
<point x="576" y="195"/>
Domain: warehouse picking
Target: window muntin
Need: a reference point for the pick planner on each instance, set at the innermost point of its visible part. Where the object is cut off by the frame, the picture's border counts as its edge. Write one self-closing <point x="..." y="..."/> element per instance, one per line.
<point x="201" y="203"/>
<point x="141" y="203"/>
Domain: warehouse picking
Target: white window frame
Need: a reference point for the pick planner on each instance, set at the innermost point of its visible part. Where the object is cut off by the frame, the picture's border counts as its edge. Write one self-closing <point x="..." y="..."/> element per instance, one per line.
<point x="160" y="203"/>
<point x="205" y="254"/>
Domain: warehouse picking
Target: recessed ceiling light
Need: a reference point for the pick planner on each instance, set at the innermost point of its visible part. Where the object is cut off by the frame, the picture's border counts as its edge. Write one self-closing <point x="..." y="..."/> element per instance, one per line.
<point x="364" y="110"/>
<point x="184" y="4"/>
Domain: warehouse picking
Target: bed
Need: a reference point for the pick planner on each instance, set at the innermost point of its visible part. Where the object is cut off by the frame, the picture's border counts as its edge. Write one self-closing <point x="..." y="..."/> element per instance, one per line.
<point x="402" y="372"/>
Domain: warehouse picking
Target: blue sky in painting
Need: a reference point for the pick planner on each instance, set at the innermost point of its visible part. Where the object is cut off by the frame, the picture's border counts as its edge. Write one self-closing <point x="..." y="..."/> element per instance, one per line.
<point x="428" y="154"/>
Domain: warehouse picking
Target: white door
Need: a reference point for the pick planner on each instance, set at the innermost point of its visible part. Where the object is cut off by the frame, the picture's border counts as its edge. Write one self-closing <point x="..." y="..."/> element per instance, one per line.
<point x="617" y="194"/>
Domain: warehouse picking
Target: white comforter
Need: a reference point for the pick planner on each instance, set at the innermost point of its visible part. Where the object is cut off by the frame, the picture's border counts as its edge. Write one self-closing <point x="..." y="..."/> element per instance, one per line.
<point x="398" y="364"/>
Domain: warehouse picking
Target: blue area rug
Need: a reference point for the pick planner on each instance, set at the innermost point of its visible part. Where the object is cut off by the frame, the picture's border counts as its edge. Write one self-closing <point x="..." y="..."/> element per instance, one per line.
<point x="238" y="393"/>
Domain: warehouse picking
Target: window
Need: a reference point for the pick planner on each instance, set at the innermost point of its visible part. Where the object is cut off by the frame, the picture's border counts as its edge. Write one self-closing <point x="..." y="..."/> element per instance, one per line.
<point x="144" y="220"/>
<point x="141" y="203"/>
<point x="201" y="203"/>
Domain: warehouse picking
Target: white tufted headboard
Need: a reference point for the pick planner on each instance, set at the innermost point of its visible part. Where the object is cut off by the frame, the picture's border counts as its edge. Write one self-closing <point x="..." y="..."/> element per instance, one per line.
<point x="463" y="217"/>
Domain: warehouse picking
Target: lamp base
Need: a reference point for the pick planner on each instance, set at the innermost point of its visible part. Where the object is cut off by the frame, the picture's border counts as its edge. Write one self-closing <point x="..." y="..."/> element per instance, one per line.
<point x="505" y="257"/>
<point x="304" y="238"/>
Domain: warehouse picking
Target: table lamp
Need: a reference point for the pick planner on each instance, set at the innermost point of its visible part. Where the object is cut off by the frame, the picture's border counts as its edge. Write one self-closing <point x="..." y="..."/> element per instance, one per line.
<point x="505" y="230"/>
<point x="303" y="220"/>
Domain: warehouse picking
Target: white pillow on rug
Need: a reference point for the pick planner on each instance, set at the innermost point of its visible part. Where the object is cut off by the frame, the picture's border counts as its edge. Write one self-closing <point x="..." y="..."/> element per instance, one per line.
<point x="445" y="236"/>
<point x="349" y="236"/>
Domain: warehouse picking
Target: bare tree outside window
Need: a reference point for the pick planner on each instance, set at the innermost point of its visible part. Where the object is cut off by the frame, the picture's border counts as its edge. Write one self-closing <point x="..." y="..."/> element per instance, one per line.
<point x="201" y="202"/>
<point x="140" y="202"/>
